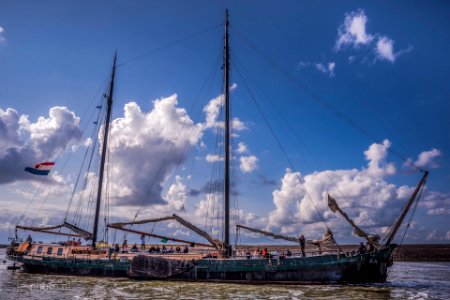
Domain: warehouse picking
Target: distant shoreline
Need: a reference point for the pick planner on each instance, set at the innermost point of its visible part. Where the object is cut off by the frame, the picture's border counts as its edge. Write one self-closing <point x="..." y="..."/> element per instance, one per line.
<point x="409" y="252"/>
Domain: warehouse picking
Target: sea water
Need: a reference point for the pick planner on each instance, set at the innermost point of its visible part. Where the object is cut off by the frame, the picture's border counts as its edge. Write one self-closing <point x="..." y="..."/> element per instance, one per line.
<point x="406" y="280"/>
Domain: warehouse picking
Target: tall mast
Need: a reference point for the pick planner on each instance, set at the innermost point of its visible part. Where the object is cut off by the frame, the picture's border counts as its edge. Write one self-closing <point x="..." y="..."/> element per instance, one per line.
<point x="402" y="216"/>
<point x="104" y="148"/>
<point x="227" y="135"/>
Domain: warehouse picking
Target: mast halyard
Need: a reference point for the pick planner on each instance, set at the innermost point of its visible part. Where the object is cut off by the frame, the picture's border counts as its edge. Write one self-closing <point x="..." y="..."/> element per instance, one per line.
<point x="104" y="148"/>
<point x="227" y="138"/>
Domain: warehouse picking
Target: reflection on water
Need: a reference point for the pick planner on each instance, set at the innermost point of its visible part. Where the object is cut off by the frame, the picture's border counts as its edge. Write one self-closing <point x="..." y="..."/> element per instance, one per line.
<point x="407" y="280"/>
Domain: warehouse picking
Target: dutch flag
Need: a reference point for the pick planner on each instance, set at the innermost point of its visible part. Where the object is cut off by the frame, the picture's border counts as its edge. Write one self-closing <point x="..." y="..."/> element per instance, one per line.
<point x="41" y="168"/>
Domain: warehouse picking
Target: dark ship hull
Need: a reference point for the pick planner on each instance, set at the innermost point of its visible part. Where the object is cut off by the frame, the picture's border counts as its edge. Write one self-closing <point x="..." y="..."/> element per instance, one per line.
<point x="360" y="268"/>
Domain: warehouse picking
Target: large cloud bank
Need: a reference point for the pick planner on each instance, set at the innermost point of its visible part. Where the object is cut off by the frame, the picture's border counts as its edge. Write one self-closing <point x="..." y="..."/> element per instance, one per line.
<point x="146" y="147"/>
<point x="24" y="143"/>
<point x="367" y="197"/>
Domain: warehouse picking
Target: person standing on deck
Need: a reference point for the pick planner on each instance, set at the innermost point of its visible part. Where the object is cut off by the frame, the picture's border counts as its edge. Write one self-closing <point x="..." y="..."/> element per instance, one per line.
<point x="302" y="244"/>
<point x="362" y="249"/>
<point x="143" y="242"/>
<point x="265" y="253"/>
<point x="288" y="253"/>
<point x="370" y="247"/>
<point x="256" y="253"/>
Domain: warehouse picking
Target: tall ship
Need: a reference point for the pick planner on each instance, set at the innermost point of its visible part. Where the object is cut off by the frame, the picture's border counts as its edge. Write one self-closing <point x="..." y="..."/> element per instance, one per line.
<point x="216" y="259"/>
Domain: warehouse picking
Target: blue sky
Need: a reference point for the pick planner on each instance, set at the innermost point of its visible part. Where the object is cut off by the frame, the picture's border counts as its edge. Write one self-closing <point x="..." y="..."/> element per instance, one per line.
<point x="383" y="65"/>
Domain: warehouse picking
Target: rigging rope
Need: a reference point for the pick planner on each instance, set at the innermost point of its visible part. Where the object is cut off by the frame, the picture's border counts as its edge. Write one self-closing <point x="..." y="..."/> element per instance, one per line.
<point x="93" y="144"/>
<point x="213" y="186"/>
<point x="322" y="102"/>
<point x="236" y="214"/>
<point x="80" y="207"/>
<point x="290" y="127"/>
<point x="281" y="147"/>
<point x="59" y="154"/>
<point x="409" y="222"/>
<point x="91" y="199"/>
<point x="141" y="205"/>
<point x="168" y="45"/>
<point x="107" y="196"/>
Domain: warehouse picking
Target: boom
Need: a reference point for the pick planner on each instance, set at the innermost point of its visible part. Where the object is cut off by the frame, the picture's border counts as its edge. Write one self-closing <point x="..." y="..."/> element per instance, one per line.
<point x="215" y="243"/>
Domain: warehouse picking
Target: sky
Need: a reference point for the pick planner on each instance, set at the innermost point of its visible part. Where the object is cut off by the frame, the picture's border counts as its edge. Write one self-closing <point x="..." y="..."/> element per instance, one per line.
<point x="350" y="99"/>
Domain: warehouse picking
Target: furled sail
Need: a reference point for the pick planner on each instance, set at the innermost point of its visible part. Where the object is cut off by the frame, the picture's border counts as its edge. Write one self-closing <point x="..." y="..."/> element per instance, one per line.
<point x="162" y="237"/>
<point x="214" y="242"/>
<point x="332" y="204"/>
<point x="83" y="233"/>
<point x="326" y="238"/>
<point x="49" y="229"/>
<point x="271" y="234"/>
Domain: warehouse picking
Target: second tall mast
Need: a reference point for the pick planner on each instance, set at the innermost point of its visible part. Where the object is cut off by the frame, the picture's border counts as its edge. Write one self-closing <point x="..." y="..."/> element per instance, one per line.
<point x="227" y="136"/>
<point x="104" y="148"/>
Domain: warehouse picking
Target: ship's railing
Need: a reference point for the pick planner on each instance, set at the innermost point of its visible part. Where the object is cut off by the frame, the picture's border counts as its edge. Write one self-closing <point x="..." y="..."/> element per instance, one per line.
<point x="250" y="253"/>
<point x="79" y="258"/>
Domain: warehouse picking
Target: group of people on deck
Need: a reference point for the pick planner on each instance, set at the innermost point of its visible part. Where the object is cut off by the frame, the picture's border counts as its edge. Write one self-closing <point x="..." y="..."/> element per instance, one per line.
<point x="363" y="249"/>
<point x="164" y="250"/>
<point x="152" y="249"/>
<point x="264" y="253"/>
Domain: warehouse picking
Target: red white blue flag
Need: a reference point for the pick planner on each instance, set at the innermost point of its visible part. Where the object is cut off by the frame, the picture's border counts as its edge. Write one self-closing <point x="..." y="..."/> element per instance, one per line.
<point x="41" y="168"/>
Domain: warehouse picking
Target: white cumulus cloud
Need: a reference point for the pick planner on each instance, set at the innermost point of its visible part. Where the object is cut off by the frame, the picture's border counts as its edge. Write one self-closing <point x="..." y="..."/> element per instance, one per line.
<point x="242" y="148"/>
<point x="376" y="155"/>
<point x="238" y="125"/>
<point x="177" y="195"/>
<point x="248" y="163"/>
<point x="436" y="203"/>
<point x="385" y="49"/>
<point x="146" y="147"/>
<point x="1" y="34"/>
<point x="353" y="31"/>
<point x="372" y="202"/>
<point x="213" y="110"/>
<point x="427" y="159"/>
<point x="213" y="158"/>
<point x="326" y="68"/>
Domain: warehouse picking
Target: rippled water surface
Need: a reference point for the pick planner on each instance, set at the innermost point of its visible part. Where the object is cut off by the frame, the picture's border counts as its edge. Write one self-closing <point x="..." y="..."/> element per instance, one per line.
<point x="407" y="280"/>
